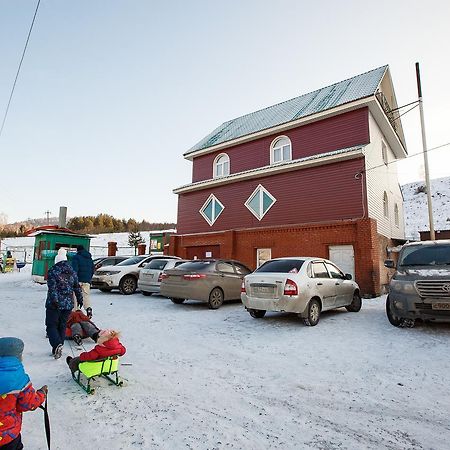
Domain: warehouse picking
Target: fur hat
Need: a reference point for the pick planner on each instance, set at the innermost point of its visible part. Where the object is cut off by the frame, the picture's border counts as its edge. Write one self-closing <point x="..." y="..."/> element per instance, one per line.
<point x="61" y="256"/>
<point x="106" y="335"/>
<point x="11" y="346"/>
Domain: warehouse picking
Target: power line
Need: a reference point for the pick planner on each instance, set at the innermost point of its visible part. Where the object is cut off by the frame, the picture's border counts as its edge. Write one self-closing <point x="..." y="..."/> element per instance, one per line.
<point x="18" y="69"/>
<point x="398" y="160"/>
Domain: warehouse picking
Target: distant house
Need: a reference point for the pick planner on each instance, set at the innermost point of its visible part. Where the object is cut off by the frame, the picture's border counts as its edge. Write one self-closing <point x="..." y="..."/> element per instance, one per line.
<point x="310" y="177"/>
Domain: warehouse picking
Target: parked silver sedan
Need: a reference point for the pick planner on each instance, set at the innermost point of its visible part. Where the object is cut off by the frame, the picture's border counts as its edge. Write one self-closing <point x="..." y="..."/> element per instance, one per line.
<point x="303" y="285"/>
<point x="150" y="276"/>
<point x="211" y="281"/>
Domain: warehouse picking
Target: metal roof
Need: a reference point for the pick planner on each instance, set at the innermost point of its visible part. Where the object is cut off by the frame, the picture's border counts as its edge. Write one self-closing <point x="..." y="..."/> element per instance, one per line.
<point x="355" y="88"/>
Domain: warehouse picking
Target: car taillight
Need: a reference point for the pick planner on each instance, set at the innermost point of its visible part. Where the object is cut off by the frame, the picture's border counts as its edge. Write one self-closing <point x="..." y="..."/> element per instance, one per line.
<point x="194" y="276"/>
<point x="163" y="276"/>
<point x="243" y="291"/>
<point x="290" y="288"/>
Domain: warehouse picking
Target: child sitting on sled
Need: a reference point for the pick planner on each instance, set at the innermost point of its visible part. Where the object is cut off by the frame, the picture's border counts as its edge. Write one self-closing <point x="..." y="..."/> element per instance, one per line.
<point x="17" y="394"/>
<point x="108" y="344"/>
<point x="80" y="326"/>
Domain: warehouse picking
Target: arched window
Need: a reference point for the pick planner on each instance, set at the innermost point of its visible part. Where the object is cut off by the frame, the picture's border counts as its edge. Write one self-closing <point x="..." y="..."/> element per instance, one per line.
<point x="221" y="166"/>
<point x="280" y="150"/>
<point x="384" y="153"/>
<point x="385" y="205"/>
<point x="396" y="215"/>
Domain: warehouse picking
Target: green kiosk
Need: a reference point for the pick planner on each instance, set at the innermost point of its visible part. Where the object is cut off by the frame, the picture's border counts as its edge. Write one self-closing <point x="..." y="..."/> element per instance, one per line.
<point x="48" y="240"/>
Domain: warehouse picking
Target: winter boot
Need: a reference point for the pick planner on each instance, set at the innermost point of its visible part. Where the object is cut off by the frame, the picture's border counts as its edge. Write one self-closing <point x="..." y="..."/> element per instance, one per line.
<point x="77" y="339"/>
<point x="95" y="336"/>
<point x="89" y="312"/>
<point x="58" y="351"/>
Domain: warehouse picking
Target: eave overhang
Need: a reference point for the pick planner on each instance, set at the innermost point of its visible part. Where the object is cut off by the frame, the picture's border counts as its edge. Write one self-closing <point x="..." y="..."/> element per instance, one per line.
<point x="296" y="164"/>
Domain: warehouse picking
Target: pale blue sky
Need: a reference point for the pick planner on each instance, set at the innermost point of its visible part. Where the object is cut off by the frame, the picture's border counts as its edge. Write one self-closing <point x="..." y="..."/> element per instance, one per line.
<point x="112" y="93"/>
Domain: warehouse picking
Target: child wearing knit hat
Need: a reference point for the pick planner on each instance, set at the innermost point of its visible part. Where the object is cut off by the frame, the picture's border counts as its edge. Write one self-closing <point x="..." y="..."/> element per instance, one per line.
<point x="16" y="393"/>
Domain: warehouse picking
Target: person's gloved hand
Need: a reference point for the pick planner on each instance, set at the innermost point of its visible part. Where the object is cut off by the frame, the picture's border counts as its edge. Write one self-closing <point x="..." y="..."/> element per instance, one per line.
<point x="44" y="389"/>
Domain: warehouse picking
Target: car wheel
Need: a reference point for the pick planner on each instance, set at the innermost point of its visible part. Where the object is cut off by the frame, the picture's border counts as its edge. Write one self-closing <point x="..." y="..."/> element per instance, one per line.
<point x="147" y="294"/>
<point x="105" y="290"/>
<point x="178" y="301"/>
<point x="393" y="319"/>
<point x="257" y="313"/>
<point x="312" y="319"/>
<point x="356" y="303"/>
<point x="128" y="285"/>
<point x="215" y="298"/>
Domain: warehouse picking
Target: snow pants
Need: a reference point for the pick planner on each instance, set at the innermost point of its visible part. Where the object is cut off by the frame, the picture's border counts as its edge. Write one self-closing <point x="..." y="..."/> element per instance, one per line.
<point x="56" y="322"/>
<point x="86" y="290"/>
<point x="16" y="444"/>
<point x="83" y="329"/>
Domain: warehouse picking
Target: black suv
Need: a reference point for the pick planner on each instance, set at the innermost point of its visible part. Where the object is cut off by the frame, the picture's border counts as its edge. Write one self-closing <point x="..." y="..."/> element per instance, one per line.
<point x="420" y="287"/>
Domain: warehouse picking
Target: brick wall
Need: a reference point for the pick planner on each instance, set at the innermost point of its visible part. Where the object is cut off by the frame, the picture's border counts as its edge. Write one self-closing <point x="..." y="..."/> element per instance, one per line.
<point x="298" y="240"/>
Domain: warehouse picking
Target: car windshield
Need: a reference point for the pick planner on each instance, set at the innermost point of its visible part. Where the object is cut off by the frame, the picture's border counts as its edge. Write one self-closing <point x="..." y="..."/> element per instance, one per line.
<point x="425" y="255"/>
<point x="132" y="260"/>
<point x="281" y="266"/>
<point x="157" y="264"/>
<point x="196" y="266"/>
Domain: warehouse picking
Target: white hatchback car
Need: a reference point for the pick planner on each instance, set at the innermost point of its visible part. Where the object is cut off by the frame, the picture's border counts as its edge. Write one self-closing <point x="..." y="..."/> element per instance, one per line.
<point x="123" y="276"/>
<point x="303" y="285"/>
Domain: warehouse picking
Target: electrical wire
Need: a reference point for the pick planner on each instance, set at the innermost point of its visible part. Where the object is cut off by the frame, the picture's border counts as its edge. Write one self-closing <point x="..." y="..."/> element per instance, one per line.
<point x="398" y="160"/>
<point x="18" y="69"/>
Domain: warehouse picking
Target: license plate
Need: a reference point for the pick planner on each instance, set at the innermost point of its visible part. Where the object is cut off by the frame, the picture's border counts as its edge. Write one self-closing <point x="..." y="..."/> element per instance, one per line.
<point x="441" y="306"/>
<point x="148" y="275"/>
<point x="263" y="289"/>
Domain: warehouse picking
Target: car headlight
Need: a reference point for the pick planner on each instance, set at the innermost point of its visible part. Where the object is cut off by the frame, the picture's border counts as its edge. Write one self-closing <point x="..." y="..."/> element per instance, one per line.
<point x="111" y="272"/>
<point x="405" y="287"/>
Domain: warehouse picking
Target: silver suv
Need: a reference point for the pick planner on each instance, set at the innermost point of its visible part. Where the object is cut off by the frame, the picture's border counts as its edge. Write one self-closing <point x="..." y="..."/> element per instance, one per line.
<point x="420" y="287"/>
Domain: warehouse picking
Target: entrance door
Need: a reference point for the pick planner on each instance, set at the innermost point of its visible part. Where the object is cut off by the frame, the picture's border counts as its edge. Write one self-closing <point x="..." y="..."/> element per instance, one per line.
<point x="344" y="257"/>
<point x="203" y="252"/>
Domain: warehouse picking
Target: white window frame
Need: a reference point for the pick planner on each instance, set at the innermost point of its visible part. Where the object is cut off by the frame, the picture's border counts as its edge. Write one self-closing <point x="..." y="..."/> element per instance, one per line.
<point x="261" y="188"/>
<point x="260" y="253"/>
<point x="385" y="205"/>
<point x="273" y="148"/>
<point x="214" y="199"/>
<point x="396" y="215"/>
<point x="216" y="165"/>
<point x="384" y="153"/>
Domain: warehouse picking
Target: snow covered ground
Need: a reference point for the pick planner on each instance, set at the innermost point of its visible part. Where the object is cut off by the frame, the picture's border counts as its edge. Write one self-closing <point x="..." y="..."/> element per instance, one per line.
<point x="203" y="379"/>
<point x="416" y="209"/>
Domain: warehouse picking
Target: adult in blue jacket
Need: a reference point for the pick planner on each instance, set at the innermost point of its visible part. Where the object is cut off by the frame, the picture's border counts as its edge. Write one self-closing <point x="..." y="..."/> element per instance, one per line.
<point x="62" y="283"/>
<point x="84" y="267"/>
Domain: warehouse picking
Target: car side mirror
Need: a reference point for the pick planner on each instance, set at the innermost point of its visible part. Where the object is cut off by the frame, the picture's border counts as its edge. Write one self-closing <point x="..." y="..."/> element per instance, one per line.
<point x="348" y="276"/>
<point x="389" y="263"/>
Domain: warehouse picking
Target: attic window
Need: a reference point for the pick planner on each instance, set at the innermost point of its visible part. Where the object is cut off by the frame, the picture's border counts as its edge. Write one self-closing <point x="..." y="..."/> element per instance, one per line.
<point x="221" y="166"/>
<point x="384" y="153"/>
<point x="280" y="150"/>
<point x="385" y="205"/>
<point x="259" y="202"/>
<point x="211" y="209"/>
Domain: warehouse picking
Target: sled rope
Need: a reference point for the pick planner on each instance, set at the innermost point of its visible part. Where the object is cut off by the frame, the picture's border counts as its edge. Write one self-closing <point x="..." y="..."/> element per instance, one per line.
<point x="46" y="421"/>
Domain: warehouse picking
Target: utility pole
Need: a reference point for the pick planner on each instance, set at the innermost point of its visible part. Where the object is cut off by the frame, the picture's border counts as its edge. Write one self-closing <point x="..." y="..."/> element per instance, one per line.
<point x="47" y="213"/>
<point x="425" y="155"/>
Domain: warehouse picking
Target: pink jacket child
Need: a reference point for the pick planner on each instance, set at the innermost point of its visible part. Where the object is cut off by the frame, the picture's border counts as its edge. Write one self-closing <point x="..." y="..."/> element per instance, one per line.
<point x="108" y="344"/>
<point x="17" y="394"/>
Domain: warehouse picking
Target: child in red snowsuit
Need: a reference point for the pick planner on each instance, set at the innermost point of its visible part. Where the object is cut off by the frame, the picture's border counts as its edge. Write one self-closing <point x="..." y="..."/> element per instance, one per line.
<point x="17" y="394"/>
<point x="107" y="345"/>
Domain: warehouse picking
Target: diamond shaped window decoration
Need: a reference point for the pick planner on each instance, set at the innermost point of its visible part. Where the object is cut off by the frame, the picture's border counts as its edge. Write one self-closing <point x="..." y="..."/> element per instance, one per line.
<point x="211" y="209"/>
<point x="260" y="202"/>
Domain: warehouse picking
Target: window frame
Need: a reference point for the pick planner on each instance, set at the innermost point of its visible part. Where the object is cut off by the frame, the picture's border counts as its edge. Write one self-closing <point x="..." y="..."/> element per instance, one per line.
<point x="273" y="148"/>
<point x="262" y="189"/>
<point x="384" y="153"/>
<point x="216" y="164"/>
<point x="385" y="205"/>
<point x="210" y="222"/>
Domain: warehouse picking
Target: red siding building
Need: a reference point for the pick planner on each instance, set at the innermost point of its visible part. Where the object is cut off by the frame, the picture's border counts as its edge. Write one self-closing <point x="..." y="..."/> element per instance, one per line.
<point x="307" y="177"/>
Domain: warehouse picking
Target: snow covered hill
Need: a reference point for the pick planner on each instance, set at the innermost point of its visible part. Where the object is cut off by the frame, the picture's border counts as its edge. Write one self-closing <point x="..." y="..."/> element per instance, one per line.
<point x="416" y="209"/>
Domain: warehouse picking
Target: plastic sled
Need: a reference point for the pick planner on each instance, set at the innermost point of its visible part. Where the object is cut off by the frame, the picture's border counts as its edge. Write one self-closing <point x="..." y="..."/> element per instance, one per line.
<point x="107" y="368"/>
